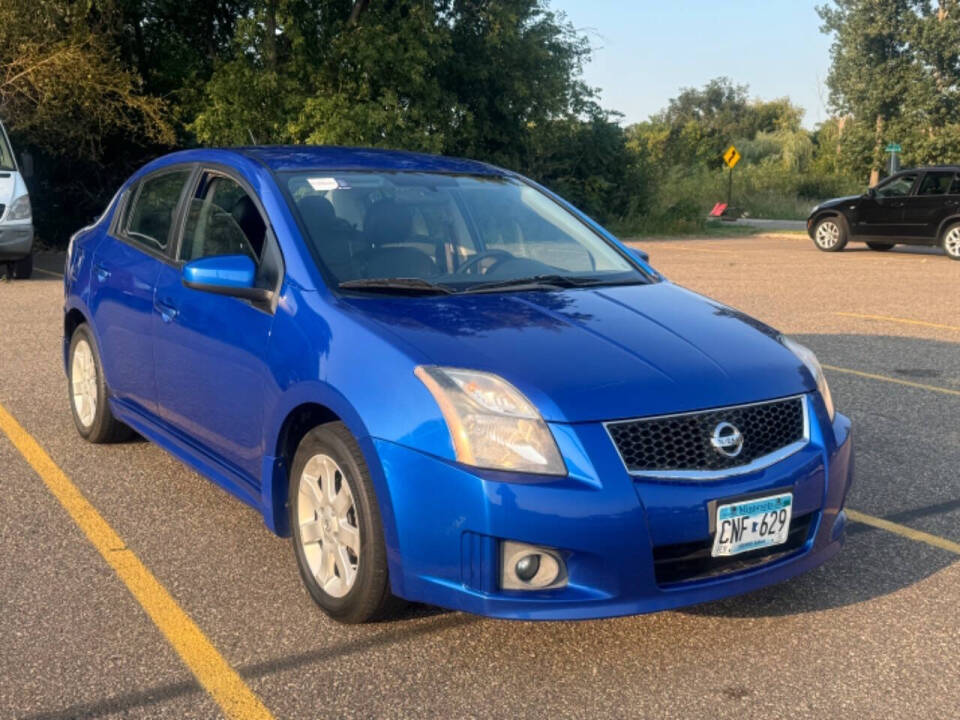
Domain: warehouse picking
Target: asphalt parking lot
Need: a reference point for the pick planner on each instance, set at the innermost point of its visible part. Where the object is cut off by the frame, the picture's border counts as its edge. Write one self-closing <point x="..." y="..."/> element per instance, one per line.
<point x="874" y="633"/>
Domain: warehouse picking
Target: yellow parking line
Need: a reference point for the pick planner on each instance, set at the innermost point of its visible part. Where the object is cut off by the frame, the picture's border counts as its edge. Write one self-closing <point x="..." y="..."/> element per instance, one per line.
<point x="898" y="381"/>
<point x="210" y="668"/>
<point x="48" y="272"/>
<point x="904" y="531"/>
<point x="905" y="321"/>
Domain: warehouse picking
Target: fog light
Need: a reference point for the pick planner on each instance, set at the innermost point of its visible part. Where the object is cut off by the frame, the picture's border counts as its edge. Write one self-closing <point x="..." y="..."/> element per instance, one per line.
<point x="528" y="567"/>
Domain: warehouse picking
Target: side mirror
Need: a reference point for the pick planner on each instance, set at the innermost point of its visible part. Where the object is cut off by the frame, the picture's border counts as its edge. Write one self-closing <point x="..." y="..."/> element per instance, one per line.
<point x="232" y="275"/>
<point x="641" y="255"/>
<point x="871" y="192"/>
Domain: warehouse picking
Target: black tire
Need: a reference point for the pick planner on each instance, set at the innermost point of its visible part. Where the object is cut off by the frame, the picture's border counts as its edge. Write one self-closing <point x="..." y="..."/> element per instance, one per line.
<point x="827" y="240"/>
<point x="951" y="241"/>
<point x="103" y="427"/>
<point x="23" y="269"/>
<point x="880" y="247"/>
<point x="369" y="597"/>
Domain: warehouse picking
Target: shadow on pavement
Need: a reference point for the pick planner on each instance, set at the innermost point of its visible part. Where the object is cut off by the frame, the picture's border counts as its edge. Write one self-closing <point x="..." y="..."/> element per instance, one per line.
<point x="907" y="451"/>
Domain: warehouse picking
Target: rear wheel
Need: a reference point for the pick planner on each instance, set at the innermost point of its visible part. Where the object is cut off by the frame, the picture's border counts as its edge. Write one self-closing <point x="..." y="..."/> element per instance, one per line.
<point x="951" y="241"/>
<point x="880" y="246"/>
<point x="23" y="269"/>
<point x="88" y="392"/>
<point x="829" y="235"/>
<point x="336" y="528"/>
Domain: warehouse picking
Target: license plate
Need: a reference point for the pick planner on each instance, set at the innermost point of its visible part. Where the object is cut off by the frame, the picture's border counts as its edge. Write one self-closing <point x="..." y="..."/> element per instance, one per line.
<point x="752" y="524"/>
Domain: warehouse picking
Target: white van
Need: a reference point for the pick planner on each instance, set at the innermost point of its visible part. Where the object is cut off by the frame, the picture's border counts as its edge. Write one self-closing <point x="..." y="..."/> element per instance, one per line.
<point x="16" y="219"/>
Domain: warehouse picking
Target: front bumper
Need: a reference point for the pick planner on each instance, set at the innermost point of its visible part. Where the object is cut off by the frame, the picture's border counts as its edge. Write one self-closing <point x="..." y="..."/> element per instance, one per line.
<point x="16" y="241"/>
<point x="447" y="523"/>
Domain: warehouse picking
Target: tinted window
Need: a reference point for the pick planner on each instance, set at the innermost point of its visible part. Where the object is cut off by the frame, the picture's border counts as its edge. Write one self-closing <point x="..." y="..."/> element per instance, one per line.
<point x="896" y="187"/>
<point x="222" y="220"/>
<point x="955" y="187"/>
<point x="936" y="183"/>
<point x="154" y="207"/>
<point x="6" y="156"/>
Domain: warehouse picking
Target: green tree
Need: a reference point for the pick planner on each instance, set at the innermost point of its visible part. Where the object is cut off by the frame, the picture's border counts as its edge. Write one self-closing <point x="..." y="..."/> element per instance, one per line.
<point x="699" y="124"/>
<point x="895" y="77"/>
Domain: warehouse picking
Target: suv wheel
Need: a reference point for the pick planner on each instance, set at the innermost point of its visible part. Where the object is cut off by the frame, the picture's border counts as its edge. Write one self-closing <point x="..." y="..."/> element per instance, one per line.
<point x="829" y="235"/>
<point x="880" y="246"/>
<point x="951" y="241"/>
<point x="88" y="392"/>
<point x="336" y="528"/>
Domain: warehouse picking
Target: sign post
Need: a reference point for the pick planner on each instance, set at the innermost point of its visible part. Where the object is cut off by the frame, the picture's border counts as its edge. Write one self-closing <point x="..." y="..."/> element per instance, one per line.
<point x="731" y="157"/>
<point x="894" y="150"/>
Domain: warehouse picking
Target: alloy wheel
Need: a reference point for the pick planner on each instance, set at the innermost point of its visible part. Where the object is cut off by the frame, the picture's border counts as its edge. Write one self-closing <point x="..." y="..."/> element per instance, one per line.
<point x="951" y="243"/>
<point x="83" y="383"/>
<point x="828" y="234"/>
<point x="329" y="531"/>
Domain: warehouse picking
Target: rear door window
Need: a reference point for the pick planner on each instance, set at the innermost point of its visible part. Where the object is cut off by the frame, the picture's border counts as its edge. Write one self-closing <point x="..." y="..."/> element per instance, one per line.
<point x="154" y="208"/>
<point x="936" y="183"/>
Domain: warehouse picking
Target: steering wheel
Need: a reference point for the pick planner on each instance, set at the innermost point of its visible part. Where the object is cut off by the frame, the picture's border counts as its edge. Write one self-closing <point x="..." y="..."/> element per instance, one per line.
<point x="501" y="255"/>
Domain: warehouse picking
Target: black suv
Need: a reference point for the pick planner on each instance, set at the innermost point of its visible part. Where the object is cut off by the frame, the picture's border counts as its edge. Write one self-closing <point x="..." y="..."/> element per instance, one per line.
<point x="914" y="207"/>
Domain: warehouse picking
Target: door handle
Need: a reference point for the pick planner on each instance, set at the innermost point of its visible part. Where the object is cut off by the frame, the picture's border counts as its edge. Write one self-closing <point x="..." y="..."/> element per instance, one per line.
<point x="167" y="310"/>
<point x="101" y="272"/>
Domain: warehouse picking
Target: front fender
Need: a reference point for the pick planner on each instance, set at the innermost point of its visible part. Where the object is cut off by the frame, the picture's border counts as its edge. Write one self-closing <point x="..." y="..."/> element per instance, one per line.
<point x="829" y="212"/>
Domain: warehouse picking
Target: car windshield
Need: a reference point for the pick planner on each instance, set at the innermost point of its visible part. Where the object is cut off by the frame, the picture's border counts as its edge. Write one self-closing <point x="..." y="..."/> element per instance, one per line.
<point x="6" y="155"/>
<point x="417" y="232"/>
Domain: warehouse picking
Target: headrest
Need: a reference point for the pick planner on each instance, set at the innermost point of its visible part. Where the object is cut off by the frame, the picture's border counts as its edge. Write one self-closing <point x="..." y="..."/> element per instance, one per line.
<point x="388" y="222"/>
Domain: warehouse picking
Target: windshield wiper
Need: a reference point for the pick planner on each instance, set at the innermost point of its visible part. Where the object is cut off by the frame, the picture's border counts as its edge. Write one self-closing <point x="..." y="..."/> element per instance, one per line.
<point x="411" y="286"/>
<point x="538" y="282"/>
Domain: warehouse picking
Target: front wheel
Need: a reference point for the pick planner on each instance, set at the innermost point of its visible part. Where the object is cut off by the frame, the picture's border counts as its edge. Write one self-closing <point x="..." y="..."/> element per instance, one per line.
<point x="880" y="246"/>
<point x="829" y="235"/>
<point x="336" y="528"/>
<point x="951" y="241"/>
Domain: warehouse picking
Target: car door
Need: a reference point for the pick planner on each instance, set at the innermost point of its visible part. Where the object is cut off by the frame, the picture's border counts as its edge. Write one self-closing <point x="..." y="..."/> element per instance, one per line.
<point x="925" y="209"/>
<point x="210" y="350"/>
<point x="126" y="265"/>
<point x="880" y="213"/>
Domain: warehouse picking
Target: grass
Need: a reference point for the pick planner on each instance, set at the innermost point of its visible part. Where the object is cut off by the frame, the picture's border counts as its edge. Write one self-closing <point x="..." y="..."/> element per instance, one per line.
<point x="776" y="207"/>
<point x="645" y="227"/>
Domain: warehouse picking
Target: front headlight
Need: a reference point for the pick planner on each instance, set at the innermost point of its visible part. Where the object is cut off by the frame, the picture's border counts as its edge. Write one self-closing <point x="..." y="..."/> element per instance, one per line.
<point x="19" y="209"/>
<point x="492" y="424"/>
<point x="807" y="357"/>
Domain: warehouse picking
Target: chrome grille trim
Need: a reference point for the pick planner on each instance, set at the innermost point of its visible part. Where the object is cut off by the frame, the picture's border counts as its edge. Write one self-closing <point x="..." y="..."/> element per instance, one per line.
<point x="703" y="475"/>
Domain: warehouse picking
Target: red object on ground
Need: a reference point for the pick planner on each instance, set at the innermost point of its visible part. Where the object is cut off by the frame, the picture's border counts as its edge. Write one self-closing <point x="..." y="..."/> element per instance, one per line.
<point x="718" y="209"/>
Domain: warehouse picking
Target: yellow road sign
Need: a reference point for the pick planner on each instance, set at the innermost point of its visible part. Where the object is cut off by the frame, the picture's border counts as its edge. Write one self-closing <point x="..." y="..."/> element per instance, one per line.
<point x="731" y="157"/>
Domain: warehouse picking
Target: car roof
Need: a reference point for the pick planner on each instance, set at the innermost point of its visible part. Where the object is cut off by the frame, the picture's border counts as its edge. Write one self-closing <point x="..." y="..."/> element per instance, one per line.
<point x="281" y="158"/>
<point x="926" y="168"/>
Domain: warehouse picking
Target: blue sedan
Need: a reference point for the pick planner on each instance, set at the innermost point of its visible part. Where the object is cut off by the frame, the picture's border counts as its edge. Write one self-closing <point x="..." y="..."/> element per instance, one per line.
<point x="448" y="385"/>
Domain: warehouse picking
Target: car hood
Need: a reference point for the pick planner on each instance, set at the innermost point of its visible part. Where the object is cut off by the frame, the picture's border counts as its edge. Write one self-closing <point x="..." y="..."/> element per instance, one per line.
<point x="600" y="354"/>
<point x="834" y="202"/>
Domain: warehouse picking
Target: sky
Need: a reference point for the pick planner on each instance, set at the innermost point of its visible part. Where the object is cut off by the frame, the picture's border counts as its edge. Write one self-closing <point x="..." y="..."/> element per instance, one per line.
<point x="645" y="51"/>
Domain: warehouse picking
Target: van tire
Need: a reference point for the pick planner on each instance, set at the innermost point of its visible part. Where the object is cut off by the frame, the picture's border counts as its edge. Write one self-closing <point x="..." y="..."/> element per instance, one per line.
<point x="23" y="268"/>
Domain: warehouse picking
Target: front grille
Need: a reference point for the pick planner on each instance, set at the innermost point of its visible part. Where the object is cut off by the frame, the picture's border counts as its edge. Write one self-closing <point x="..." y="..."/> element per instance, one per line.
<point x="692" y="561"/>
<point x="683" y="442"/>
